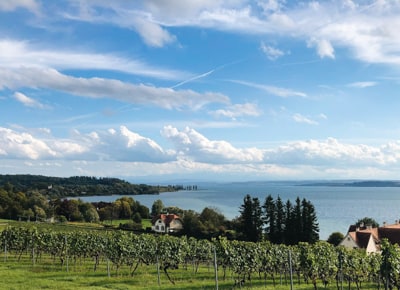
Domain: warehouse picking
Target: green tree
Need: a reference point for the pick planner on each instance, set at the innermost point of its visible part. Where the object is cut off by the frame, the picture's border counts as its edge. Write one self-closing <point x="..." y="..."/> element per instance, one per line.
<point x="157" y="207"/>
<point x="251" y="219"/>
<point x="335" y="238"/>
<point x="191" y="223"/>
<point x="367" y="221"/>
<point x="309" y="223"/>
<point x="212" y="220"/>
<point x="269" y="215"/>
<point x="280" y="221"/>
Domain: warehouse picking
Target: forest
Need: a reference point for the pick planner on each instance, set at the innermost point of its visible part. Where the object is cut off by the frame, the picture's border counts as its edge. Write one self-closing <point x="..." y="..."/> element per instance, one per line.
<point x="56" y="187"/>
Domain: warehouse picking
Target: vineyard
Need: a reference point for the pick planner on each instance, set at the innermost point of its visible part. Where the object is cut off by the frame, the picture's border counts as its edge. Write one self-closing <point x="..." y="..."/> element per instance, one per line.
<point x="238" y="264"/>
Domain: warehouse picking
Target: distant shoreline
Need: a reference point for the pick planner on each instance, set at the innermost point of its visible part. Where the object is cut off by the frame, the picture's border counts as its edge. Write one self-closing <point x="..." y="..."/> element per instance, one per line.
<point x="367" y="183"/>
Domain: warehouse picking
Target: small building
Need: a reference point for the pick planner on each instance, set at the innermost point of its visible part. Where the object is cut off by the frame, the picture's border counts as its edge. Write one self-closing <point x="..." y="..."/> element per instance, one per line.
<point x="166" y="223"/>
<point x="369" y="238"/>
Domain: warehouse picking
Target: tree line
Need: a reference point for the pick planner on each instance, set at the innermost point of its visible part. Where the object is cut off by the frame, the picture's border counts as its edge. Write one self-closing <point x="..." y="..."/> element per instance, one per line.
<point x="278" y="222"/>
<point x="273" y="221"/>
<point x="57" y="187"/>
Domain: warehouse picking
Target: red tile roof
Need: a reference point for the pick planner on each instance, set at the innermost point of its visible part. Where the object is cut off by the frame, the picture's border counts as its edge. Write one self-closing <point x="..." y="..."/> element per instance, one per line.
<point x="166" y="218"/>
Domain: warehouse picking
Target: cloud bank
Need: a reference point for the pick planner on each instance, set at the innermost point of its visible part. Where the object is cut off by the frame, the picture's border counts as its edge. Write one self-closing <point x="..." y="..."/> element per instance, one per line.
<point x="194" y="152"/>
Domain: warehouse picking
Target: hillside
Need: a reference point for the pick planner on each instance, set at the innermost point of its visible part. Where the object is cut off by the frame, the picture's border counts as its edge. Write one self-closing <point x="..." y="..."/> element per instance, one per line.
<point x="77" y="185"/>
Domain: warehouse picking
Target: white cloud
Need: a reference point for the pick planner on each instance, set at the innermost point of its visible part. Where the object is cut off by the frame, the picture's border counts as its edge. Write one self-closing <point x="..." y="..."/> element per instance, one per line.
<point x="191" y="145"/>
<point x="269" y="6"/>
<point x="125" y="145"/>
<point x="16" y="54"/>
<point x="29" y="102"/>
<point x="107" y="88"/>
<point x="271" y="52"/>
<point x="112" y="145"/>
<point x="331" y="153"/>
<point x="368" y="28"/>
<point x="17" y="145"/>
<point x="125" y="153"/>
<point x="303" y="119"/>
<point x="152" y="33"/>
<point x="276" y="91"/>
<point x="10" y="5"/>
<point x="238" y="110"/>
<point x="324" y="48"/>
<point x="362" y="85"/>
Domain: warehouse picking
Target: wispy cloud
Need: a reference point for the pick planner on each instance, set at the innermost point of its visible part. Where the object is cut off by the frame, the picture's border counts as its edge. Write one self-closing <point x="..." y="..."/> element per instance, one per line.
<point x="29" y="102"/>
<point x="367" y="29"/>
<point x="276" y="91"/>
<point x="362" y="85"/>
<point x="303" y="119"/>
<point x="108" y="88"/>
<point x="16" y="54"/>
<point x="238" y="110"/>
<point x="10" y="5"/>
<point x="271" y="52"/>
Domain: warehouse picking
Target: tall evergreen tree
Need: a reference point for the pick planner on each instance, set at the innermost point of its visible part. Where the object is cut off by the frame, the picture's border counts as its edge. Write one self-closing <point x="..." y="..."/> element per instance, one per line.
<point x="257" y="220"/>
<point x="280" y="221"/>
<point x="251" y="219"/>
<point x="270" y="218"/>
<point x="309" y="222"/>
<point x="297" y="221"/>
<point x="289" y="233"/>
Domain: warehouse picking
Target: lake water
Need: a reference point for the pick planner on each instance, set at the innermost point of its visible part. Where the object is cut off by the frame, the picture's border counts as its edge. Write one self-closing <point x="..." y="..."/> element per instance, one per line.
<point x="336" y="207"/>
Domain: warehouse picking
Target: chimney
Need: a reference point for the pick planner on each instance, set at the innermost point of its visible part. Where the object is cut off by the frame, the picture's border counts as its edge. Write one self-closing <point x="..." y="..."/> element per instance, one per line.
<point x="384" y="224"/>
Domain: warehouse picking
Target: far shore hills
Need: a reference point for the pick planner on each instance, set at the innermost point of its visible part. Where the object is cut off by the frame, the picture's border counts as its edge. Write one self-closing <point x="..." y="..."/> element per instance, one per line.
<point x="364" y="183"/>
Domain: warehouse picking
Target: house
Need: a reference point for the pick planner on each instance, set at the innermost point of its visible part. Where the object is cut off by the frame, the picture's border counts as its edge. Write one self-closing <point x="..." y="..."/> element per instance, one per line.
<point x="369" y="238"/>
<point x="166" y="223"/>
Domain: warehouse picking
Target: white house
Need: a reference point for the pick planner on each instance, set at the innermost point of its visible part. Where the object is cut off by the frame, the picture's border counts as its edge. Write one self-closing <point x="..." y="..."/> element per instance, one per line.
<point x="166" y="223"/>
<point x="369" y="238"/>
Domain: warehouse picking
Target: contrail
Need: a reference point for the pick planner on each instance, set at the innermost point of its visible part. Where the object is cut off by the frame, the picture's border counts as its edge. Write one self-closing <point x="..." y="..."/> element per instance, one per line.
<point x="206" y="73"/>
<point x="194" y="78"/>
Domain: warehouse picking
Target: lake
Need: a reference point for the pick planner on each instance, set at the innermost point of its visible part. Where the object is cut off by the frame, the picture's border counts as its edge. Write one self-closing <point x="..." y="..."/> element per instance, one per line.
<point x="337" y="206"/>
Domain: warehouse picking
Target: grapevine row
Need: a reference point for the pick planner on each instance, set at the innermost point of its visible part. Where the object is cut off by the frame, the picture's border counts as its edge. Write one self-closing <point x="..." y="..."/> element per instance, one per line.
<point x="319" y="263"/>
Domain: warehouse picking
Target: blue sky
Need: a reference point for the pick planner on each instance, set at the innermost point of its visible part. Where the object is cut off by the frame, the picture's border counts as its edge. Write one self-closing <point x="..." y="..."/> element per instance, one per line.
<point x="207" y="89"/>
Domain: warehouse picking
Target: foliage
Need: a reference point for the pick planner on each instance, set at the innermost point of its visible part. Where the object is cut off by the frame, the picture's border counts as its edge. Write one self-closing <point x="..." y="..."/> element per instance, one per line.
<point x="319" y="264"/>
<point x="367" y="221"/>
<point x="277" y="222"/>
<point x="335" y="238"/>
<point x="57" y="187"/>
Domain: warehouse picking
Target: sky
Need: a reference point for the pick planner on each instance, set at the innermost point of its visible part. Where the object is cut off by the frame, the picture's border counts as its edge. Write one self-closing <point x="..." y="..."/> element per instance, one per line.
<point x="225" y="90"/>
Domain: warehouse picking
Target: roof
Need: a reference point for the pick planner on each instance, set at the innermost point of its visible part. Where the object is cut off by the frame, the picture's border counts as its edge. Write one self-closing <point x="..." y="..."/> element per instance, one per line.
<point x="166" y="218"/>
<point x="362" y="235"/>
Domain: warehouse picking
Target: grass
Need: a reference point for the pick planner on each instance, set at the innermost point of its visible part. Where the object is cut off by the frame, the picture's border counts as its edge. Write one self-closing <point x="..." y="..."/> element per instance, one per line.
<point x="46" y="274"/>
<point x="49" y="274"/>
<point x="4" y="223"/>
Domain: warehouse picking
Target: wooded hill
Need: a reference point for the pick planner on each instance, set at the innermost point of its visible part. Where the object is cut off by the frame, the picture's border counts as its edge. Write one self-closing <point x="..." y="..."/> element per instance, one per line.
<point x="78" y="185"/>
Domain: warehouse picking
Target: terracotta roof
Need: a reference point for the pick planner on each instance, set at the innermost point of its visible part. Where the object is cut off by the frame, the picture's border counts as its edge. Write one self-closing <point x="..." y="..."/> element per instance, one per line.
<point x="166" y="218"/>
<point x="361" y="235"/>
